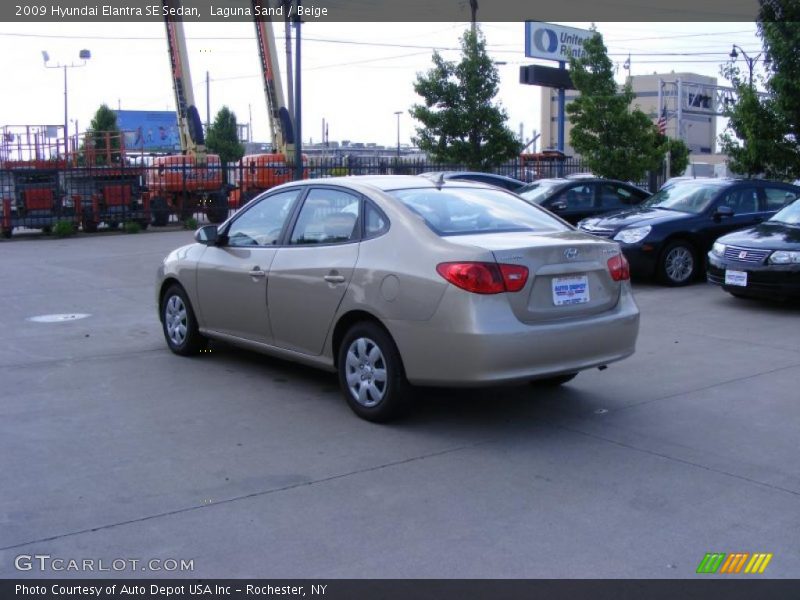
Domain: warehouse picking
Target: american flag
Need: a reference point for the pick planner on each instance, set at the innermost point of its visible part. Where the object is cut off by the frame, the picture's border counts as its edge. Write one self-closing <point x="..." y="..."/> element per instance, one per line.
<point x="662" y="122"/>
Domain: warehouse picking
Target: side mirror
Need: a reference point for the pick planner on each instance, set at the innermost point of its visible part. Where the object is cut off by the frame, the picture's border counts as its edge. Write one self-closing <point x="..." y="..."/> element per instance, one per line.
<point x="723" y="211"/>
<point x="558" y="206"/>
<point x="207" y="235"/>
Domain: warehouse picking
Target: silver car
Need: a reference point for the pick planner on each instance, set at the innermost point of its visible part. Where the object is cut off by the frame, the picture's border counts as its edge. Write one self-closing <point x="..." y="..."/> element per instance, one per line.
<point x="398" y="280"/>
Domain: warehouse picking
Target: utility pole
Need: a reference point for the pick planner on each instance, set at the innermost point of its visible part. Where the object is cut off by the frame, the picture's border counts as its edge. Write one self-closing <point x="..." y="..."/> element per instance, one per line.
<point x="398" y="113"/>
<point x="289" y="77"/>
<point x="473" y="8"/>
<point x="208" y="102"/>
<point x="298" y="114"/>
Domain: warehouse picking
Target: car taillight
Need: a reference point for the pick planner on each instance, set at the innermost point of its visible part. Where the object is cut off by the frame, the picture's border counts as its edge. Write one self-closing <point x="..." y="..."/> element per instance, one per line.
<point x="484" y="277"/>
<point x="619" y="268"/>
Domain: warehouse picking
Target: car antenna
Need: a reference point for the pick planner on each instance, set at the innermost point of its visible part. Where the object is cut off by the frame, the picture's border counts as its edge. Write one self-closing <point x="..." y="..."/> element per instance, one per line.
<point x="440" y="181"/>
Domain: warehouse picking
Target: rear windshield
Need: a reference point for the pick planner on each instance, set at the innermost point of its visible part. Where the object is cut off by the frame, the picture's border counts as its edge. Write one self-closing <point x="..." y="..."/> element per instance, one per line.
<point x="461" y="211"/>
<point x="538" y="191"/>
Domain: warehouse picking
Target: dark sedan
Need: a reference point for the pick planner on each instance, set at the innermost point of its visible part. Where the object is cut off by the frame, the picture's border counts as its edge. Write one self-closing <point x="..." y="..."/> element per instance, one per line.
<point x="501" y="181"/>
<point x="763" y="261"/>
<point x="670" y="234"/>
<point x="574" y="199"/>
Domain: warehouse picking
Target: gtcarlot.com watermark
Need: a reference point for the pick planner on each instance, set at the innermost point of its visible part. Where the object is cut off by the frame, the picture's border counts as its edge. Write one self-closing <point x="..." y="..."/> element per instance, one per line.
<point x="47" y="563"/>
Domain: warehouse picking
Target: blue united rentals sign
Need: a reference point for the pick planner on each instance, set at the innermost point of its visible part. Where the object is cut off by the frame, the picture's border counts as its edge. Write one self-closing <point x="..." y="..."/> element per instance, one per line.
<point x="554" y="42"/>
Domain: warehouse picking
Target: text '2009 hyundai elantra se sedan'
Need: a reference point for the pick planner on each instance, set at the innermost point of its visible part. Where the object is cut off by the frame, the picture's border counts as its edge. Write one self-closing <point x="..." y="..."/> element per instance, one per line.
<point x="397" y="280"/>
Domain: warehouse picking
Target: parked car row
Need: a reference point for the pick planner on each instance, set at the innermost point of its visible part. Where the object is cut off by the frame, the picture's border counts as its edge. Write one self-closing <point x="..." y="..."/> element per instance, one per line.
<point x="669" y="234"/>
<point x="393" y="281"/>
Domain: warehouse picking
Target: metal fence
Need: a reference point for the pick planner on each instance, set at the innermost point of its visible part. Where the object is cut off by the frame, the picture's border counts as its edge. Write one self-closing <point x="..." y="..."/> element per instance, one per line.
<point x="336" y="166"/>
<point x="161" y="194"/>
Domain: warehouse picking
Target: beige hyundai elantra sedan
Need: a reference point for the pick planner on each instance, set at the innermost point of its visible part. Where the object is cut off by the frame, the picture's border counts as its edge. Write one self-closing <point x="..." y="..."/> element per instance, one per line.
<point x="395" y="281"/>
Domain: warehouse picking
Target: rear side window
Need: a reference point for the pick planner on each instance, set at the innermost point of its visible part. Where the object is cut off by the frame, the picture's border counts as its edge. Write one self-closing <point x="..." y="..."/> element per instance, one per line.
<point x="577" y="197"/>
<point x="777" y="198"/>
<point x="462" y="211"/>
<point x="375" y="223"/>
<point x="328" y="217"/>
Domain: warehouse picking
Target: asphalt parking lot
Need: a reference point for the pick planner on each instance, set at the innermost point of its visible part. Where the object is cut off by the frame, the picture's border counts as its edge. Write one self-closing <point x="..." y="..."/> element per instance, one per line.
<point x="113" y="448"/>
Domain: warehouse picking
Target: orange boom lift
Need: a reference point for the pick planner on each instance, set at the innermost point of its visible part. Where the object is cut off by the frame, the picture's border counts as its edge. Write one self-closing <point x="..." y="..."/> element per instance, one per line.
<point x="192" y="181"/>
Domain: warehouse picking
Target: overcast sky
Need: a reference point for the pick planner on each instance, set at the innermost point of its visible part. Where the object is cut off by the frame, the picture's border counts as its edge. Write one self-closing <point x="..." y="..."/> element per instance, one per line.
<point x="354" y="75"/>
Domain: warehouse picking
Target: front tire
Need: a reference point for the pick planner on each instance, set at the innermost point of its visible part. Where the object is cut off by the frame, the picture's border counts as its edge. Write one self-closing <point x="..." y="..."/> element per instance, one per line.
<point x="678" y="264"/>
<point x="179" y="323"/>
<point x="371" y="374"/>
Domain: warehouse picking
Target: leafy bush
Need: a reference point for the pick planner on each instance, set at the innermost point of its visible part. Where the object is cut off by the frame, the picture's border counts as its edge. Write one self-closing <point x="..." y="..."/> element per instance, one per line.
<point x="132" y="227"/>
<point x="190" y="224"/>
<point x="63" y="229"/>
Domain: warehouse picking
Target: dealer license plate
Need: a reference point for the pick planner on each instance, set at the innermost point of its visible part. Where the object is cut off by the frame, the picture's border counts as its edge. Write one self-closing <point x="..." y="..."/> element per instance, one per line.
<point x="736" y="278"/>
<point x="570" y="290"/>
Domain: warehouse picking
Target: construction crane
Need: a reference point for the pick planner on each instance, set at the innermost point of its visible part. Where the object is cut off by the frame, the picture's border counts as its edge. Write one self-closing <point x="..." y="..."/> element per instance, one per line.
<point x="263" y="171"/>
<point x="193" y="180"/>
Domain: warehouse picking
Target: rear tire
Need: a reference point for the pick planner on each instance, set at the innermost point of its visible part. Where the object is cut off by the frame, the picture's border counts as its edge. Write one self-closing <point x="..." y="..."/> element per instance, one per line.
<point x="179" y="323"/>
<point x="678" y="264"/>
<point x="555" y="381"/>
<point x="371" y="374"/>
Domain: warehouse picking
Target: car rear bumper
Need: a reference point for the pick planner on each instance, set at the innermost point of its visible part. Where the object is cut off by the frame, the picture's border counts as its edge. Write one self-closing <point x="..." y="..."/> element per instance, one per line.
<point x="762" y="281"/>
<point x="501" y="349"/>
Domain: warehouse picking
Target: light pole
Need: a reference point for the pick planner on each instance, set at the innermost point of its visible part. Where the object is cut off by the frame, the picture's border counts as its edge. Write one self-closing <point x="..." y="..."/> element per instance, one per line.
<point x="84" y="55"/>
<point x="751" y="62"/>
<point x="398" y="113"/>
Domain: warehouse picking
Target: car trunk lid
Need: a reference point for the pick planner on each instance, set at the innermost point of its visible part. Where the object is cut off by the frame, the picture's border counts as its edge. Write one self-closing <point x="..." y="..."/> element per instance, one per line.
<point x="568" y="275"/>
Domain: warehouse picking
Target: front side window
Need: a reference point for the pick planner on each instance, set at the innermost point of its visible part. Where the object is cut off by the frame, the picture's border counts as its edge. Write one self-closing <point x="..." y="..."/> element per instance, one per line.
<point x="461" y="211"/>
<point x="743" y="201"/>
<point x="328" y="216"/>
<point x="262" y="224"/>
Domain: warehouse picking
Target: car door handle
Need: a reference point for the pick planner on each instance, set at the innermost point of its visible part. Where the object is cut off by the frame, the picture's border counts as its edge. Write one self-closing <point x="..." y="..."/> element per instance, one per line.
<point x="334" y="278"/>
<point x="257" y="273"/>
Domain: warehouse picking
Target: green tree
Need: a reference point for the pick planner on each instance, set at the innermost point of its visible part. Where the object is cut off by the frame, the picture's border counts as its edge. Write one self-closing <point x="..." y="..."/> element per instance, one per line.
<point x="615" y="140"/>
<point x="763" y="133"/>
<point x="223" y="137"/>
<point x="755" y="139"/>
<point x="103" y="138"/>
<point x="678" y="157"/>
<point x="459" y="121"/>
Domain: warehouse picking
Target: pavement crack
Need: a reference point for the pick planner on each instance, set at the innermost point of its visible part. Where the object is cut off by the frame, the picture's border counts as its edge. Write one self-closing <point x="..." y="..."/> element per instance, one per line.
<point x="55" y="361"/>
<point x="677" y="460"/>
<point x="257" y="494"/>
<point x="707" y="387"/>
